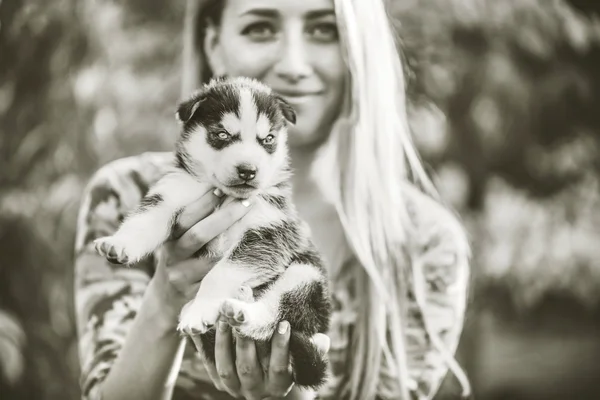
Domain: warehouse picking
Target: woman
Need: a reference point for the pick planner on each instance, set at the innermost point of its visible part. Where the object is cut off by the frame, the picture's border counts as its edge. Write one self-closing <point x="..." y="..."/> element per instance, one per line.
<point x="398" y="259"/>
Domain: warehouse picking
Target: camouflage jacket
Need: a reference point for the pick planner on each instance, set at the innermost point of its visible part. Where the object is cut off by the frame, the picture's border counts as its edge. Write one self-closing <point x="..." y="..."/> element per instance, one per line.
<point x="107" y="296"/>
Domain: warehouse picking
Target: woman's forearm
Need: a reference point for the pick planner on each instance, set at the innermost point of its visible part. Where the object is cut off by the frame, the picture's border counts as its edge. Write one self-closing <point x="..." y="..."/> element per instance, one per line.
<point x="145" y="360"/>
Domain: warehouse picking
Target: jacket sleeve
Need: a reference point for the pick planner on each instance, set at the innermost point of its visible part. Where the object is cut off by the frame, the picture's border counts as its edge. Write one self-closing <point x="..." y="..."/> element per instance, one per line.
<point x="438" y="297"/>
<point x="107" y="296"/>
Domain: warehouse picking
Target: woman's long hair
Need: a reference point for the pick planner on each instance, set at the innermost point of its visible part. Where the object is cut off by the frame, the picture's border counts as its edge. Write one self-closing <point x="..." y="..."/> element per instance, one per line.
<point x="372" y="153"/>
<point x="362" y="166"/>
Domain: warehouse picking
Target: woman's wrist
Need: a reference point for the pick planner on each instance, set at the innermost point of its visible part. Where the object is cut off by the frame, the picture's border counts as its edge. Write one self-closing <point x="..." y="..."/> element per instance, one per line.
<point x="160" y="307"/>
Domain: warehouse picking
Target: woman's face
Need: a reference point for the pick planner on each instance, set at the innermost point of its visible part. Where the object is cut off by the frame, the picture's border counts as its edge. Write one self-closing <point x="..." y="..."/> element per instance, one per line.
<point x="290" y="45"/>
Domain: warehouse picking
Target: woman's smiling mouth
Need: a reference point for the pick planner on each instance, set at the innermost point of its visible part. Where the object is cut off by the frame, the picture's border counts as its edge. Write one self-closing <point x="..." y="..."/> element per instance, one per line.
<point x="297" y="96"/>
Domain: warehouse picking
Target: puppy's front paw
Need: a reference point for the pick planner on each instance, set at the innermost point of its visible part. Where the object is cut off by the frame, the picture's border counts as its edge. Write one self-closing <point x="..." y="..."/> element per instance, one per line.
<point x="112" y="249"/>
<point x="118" y="250"/>
<point x="198" y="316"/>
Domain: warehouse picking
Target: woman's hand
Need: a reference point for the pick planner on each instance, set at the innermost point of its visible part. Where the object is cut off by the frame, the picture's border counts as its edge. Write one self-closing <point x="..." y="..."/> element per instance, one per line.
<point x="177" y="277"/>
<point x="245" y="376"/>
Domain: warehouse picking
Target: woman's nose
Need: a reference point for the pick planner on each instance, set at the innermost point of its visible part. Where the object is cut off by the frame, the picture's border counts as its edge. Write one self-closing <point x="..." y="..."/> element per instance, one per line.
<point x="293" y="63"/>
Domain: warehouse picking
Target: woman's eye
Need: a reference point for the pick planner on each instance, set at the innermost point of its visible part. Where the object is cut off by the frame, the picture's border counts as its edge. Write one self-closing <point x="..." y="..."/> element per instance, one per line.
<point x="259" y="31"/>
<point x="324" y="32"/>
<point x="223" y="135"/>
<point x="269" y="139"/>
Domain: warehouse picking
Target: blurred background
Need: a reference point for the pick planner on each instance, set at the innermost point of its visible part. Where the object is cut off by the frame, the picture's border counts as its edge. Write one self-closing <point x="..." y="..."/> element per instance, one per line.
<point x="505" y="106"/>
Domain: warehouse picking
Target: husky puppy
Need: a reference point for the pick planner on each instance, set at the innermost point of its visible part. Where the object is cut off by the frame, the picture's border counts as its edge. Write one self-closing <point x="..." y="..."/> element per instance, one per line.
<point x="234" y="138"/>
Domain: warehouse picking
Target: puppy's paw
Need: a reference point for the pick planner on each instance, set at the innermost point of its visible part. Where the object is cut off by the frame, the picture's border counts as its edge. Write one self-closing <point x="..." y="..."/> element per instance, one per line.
<point x="121" y="250"/>
<point x="245" y="294"/>
<point x="199" y="316"/>
<point x="112" y="249"/>
<point x="235" y="311"/>
<point x="249" y="319"/>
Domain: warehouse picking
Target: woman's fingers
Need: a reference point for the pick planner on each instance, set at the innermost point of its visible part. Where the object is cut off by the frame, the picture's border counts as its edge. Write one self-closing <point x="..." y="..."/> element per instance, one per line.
<point x="248" y="369"/>
<point x="197" y="211"/>
<point x="225" y="366"/>
<point x="280" y="377"/>
<point x="191" y="270"/>
<point x="210" y="368"/>
<point x="245" y="375"/>
<point x="214" y="375"/>
<point x="211" y="226"/>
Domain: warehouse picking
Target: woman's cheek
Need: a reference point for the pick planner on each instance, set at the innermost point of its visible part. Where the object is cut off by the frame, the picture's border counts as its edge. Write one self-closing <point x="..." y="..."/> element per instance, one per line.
<point x="251" y="61"/>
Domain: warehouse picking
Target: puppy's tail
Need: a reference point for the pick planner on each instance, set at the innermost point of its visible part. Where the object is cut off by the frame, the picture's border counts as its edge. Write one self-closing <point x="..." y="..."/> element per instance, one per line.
<point x="309" y="365"/>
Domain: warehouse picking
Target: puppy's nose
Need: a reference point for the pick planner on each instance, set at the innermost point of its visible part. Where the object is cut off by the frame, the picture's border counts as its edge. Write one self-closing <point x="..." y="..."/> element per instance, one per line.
<point x="246" y="172"/>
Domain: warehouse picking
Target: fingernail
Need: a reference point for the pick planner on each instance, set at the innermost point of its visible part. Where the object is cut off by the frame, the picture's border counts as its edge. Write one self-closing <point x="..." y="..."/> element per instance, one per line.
<point x="246" y="203"/>
<point x="218" y="192"/>
<point x="282" y="328"/>
<point x="222" y="326"/>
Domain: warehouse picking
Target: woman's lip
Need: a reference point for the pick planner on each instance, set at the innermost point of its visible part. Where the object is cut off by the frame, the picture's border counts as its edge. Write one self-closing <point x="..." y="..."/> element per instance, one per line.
<point x="296" y="94"/>
<point x="298" y="99"/>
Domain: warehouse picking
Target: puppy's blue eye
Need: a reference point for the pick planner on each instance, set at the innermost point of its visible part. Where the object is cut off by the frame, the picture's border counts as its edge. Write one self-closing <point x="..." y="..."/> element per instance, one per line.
<point x="269" y="139"/>
<point x="223" y="135"/>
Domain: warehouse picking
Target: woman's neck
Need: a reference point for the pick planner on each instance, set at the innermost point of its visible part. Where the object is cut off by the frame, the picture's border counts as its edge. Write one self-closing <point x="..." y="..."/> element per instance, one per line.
<point x="301" y="161"/>
<point x="314" y="209"/>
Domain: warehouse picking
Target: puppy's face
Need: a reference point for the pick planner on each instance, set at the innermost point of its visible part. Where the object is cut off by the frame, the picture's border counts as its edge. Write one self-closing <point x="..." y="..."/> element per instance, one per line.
<point x="235" y="134"/>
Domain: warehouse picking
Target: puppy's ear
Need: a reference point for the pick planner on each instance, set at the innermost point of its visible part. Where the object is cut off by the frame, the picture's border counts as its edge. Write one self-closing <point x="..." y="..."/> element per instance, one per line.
<point x="287" y="110"/>
<point x="188" y="108"/>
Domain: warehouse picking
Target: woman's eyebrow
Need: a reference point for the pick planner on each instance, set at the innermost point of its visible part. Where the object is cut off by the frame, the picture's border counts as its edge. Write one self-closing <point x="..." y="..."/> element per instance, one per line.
<point x="261" y="12"/>
<point x="314" y="14"/>
<point x="272" y="13"/>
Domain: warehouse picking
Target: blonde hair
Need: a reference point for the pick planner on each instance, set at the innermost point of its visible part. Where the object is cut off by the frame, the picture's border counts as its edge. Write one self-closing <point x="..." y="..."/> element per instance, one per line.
<point x="369" y="154"/>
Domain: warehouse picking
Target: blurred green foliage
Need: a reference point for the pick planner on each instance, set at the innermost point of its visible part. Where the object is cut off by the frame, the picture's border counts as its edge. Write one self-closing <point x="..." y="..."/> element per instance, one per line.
<point x="504" y="100"/>
<point x="516" y="146"/>
<point x="81" y="83"/>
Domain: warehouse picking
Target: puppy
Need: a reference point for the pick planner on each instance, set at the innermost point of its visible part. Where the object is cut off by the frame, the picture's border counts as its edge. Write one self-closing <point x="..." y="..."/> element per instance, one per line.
<point x="234" y="134"/>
